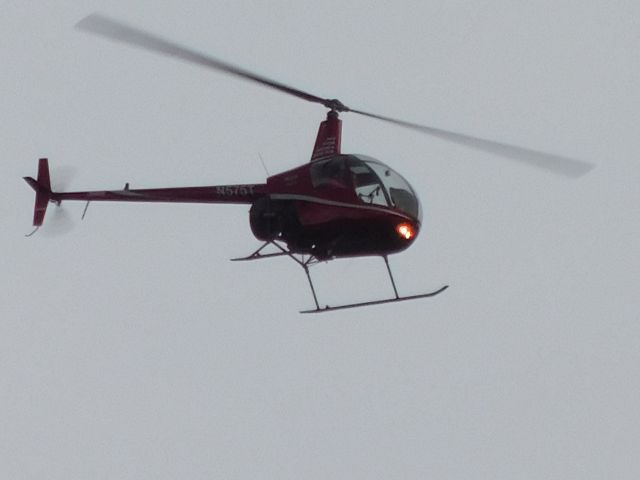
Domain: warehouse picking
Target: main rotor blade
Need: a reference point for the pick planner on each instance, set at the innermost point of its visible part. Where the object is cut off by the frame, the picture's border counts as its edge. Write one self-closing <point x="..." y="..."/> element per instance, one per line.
<point x="549" y="161"/>
<point x="115" y="30"/>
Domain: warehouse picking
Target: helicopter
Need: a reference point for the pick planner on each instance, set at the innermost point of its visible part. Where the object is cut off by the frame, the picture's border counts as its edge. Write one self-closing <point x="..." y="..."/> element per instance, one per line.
<point x="337" y="205"/>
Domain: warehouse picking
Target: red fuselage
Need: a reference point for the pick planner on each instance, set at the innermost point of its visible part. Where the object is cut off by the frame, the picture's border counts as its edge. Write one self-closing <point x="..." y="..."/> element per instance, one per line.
<point x="338" y="207"/>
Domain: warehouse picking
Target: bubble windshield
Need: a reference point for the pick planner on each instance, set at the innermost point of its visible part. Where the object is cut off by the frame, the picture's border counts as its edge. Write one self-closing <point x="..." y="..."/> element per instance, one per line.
<point x="377" y="183"/>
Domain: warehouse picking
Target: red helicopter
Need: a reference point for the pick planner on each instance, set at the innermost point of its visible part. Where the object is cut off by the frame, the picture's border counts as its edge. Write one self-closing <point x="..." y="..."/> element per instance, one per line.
<point x="335" y="206"/>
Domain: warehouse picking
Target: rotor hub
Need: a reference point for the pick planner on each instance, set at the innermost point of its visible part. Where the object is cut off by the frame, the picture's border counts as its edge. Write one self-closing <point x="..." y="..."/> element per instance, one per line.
<point x="336" y="105"/>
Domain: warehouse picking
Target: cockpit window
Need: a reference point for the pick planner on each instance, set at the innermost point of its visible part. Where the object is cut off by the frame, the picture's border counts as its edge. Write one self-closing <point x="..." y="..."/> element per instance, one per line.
<point x="330" y="173"/>
<point x="399" y="193"/>
<point x="367" y="184"/>
<point x="374" y="183"/>
<point x="404" y="200"/>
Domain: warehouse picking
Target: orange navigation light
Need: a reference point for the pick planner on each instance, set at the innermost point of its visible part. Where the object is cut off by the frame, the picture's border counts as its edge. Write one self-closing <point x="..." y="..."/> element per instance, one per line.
<point x="405" y="230"/>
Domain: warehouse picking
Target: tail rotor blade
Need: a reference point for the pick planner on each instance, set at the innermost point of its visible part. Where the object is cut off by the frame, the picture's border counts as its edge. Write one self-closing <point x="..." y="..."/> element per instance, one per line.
<point x="59" y="223"/>
<point x="63" y="177"/>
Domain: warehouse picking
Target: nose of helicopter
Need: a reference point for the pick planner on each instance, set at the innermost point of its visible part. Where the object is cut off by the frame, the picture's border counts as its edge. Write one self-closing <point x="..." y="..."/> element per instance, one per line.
<point x="403" y="233"/>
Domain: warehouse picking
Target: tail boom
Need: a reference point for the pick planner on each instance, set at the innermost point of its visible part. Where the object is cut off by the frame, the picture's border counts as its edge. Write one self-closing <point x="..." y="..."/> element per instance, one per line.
<point x="234" y="194"/>
<point x="238" y="194"/>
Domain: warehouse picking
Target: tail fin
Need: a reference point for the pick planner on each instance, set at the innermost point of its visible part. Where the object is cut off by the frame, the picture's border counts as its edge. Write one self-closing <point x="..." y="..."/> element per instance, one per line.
<point x="42" y="186"/>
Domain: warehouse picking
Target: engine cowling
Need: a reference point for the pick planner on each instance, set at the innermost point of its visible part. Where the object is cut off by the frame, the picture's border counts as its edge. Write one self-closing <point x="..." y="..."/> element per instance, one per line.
<point x="272" y="219"/>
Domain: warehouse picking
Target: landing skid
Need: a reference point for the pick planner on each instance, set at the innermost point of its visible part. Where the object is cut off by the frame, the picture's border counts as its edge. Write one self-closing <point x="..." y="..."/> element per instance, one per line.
<point x="327" y="308"/>
<point x="305" y="261"/>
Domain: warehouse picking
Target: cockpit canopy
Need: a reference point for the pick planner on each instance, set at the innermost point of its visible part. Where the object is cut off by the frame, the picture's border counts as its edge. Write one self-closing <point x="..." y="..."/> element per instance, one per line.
<point x="372" y="181"/>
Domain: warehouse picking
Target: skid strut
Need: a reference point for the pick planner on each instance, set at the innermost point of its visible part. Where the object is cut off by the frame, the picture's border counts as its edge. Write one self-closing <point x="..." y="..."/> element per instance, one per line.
<point x="305" y="261"/>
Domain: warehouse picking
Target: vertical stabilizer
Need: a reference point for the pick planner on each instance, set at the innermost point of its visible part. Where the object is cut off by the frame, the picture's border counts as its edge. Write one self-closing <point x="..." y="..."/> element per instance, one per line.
<point x="42" y="187"/>
<point x="329" y="137"/>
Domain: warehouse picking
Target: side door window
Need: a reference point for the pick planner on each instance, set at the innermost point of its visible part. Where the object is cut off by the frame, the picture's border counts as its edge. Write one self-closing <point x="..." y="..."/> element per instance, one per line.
<point x="367" y="185"/>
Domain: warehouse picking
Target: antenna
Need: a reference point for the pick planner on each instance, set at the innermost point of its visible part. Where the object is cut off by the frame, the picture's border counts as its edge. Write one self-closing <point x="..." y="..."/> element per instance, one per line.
<point x="263" y="164"/>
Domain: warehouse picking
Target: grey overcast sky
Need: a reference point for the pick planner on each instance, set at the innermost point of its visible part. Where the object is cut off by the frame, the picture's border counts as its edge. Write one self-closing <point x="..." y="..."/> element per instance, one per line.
<point x="131" y="348"/>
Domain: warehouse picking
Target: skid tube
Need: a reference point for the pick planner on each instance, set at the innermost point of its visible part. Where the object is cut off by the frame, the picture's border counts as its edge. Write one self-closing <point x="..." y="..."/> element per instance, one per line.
<point x="306" y="261"/>
<point x="396" y="298"/>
